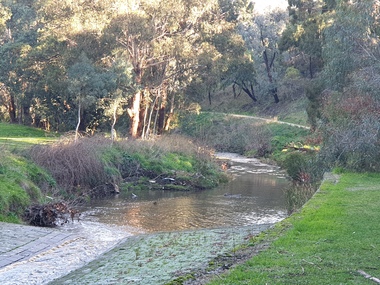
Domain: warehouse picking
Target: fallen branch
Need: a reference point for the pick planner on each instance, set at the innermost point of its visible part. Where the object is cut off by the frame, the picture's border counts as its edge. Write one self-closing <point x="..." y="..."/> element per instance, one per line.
<point x="50" y="215"/>
<point x="366" y="275"/>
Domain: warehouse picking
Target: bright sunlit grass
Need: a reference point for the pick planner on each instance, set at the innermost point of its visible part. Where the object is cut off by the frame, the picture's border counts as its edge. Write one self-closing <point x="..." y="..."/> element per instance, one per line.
<point x="334" y="237"/>
<point x="13" y="136"/>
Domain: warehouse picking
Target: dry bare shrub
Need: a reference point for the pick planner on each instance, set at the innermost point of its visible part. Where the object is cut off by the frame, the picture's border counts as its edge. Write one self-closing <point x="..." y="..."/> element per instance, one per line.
<point x="73" y="164"/>
<point x="91" y="165"/>
<point x="166" y="144"/>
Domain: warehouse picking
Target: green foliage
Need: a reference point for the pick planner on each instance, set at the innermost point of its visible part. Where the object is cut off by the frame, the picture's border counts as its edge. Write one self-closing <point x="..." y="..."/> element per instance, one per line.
<point x="283" y="135"/>
<point x="304" y="33"/>
<point x="174" y="161"/>
<point x="292" y="73"/>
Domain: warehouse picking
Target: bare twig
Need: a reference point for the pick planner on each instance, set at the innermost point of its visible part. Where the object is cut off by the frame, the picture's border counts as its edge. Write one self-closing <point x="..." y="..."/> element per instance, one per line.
<point x="311" y="263"/>
<point x="366" y="275"/>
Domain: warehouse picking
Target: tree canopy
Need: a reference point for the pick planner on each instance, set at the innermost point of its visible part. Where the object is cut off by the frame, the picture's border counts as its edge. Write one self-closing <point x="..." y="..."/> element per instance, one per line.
<point x="58" y="60"/>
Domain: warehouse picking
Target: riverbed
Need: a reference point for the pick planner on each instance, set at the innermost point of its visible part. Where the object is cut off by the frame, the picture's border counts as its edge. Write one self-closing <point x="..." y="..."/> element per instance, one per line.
<point x="151" y="237"/>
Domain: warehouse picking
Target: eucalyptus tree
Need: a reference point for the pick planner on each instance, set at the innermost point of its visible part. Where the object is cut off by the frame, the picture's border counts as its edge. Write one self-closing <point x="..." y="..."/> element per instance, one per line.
<point x="352" y="45"/>
<point x="112" y="106"/>
<point x="20" y="28"/>
<point x="262" y="37"/>
<point x="5" y="15"/>
<point x="169" y="45"/>
<point x="303" y="37"/>
<point x="69" y="29"/>
<point x="88" y="84"/>
<point x="351" y="101"/>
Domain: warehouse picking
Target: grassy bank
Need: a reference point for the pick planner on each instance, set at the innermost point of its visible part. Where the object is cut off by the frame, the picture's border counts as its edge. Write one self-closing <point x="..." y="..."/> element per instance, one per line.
<point x="21" y="181"/>
<point x="329" y="241"/>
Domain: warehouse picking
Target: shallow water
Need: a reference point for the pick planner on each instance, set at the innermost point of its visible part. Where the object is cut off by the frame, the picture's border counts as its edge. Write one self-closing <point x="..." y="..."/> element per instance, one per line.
<point x="190" y="228"/>
<point x="254" y="196"/>
<point x="227" y="216"/>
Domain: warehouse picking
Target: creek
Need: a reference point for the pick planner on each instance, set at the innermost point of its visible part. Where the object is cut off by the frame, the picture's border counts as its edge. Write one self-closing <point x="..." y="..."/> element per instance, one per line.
<point x="159" y="235"/>
<point x="254" y="196"/>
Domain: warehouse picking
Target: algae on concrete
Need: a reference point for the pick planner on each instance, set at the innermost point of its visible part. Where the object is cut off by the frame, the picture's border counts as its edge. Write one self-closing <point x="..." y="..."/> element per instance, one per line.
<point x="159" y="258"/>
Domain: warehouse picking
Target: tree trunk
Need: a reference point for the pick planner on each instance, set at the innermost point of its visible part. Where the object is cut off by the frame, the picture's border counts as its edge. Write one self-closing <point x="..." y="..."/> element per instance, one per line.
<point x="145" y="125"/>
<point x="162" y="112"/>
<point x="12" y="109"/>
<point x="155" y="120"/>
<point x="77" y="128"/>
<point x="249" y="90"/>
<point x="153" y="107"/>
<point x="268" y="67"/>
<point x="275" y="95"/>
<point x="310" y="68"/>
<point x="171" y="114"/>
<point x="113" y="131"/>
<point x="134" y="114"/>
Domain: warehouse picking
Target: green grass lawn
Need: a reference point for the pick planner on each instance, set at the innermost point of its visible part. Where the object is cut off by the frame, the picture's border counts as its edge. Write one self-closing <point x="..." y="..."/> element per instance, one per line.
<point x="334" y="236"/>
<point x="13" y="136"/>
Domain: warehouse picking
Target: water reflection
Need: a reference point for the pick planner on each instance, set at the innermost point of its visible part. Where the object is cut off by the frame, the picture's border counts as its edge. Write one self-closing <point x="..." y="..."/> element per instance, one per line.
<point x="254" y="196"/>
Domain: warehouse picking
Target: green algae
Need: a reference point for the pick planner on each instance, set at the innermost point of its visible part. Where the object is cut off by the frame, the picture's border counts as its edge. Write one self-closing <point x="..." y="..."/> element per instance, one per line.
<point x="160" y="258"/>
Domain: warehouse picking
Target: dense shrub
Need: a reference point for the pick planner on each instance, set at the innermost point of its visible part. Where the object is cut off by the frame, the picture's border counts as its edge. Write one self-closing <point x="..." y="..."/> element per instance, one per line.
<point x="314" y="95"/>
<point x="303" y="167"/>
<point x="352" y="131"/>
